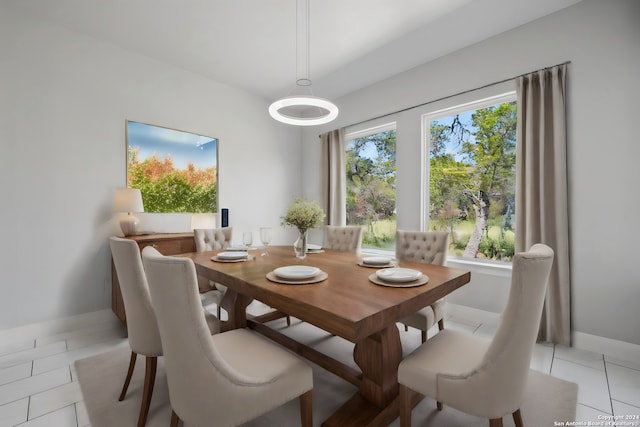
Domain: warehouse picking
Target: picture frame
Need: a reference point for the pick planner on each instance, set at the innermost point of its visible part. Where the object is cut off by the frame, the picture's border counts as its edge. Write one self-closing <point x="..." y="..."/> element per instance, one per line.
<point x="176" y="171"/>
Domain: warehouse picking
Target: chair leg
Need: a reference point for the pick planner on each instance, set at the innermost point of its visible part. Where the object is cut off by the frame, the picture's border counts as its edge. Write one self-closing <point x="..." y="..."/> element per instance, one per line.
<point x="218" y="312"/>
<point x="405" y="406"/>
<point x="175" y="420"/>
<point x="306" y="409"/>
<point x="517" y="418"/>
<point x="406" y="328"/>
<point x="288" y="320"/>
<point x="424" y="336"/>
<point x="441" y="324"/>
<point x="132" y="365"/>
<point x="495" y="422"/>
<point x="439" y="405"/>
<point x="149" y="380"/>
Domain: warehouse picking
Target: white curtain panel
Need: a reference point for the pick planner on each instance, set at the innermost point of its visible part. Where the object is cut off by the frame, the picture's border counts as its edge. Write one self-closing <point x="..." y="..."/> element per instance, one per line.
<point x="334" y="180"/>
<point x="541" y="195"/>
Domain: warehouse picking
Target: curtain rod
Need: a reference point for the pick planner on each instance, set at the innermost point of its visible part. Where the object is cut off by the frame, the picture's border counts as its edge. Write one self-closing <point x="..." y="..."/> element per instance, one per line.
<point x="455" y="94"/>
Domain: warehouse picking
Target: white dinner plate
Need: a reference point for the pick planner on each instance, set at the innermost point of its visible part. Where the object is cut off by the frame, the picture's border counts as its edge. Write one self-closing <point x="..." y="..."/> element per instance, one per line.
<point x="232" y="255"/>
<point x="312" y="247"/>
<point x="398" y="275"/>
<point x="376" y="260"/>
<point x="296" y="272"/>
<point x="237" y="248"/>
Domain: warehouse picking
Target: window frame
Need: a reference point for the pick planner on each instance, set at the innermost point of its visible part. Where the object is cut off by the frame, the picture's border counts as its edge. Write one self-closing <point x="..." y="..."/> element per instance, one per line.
<point x="426" y="118"/>
<point x="363" y="130"/>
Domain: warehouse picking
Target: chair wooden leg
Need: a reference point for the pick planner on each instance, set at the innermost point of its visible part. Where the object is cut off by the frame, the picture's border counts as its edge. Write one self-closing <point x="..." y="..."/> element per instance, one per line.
<point x="439" y="405"/>
<point x="405" y="406"/>
<point x="517" y="418"/>
<point x="288" y="320"/>
<point x="149" y="380"/>
<point x="495" y="422"/>
<point x="132" y="365"/>
<point x="406" y="328"/>
<point x="441" y="324"/>
<point x="424" y="336"/>
<point x="175" y="420"/>
<point x="218" y="312"/>
<point x="306" y="409"/>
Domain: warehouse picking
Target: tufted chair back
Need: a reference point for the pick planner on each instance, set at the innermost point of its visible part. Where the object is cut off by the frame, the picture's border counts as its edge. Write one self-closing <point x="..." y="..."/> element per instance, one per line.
<point x="343" y="238"/>
<point x="209" y="239"/>
<point x="429" y="247"/>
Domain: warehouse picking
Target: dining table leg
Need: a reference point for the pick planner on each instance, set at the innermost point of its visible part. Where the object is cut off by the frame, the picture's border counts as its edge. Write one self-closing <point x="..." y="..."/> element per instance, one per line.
<point x="235" y="305"/>
<point x="378" y="356"/>
<point x="377" y="401"/>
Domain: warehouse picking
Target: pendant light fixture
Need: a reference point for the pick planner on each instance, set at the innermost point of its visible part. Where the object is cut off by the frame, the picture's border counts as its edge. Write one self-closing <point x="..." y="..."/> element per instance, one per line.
<point x="301" y="107"/>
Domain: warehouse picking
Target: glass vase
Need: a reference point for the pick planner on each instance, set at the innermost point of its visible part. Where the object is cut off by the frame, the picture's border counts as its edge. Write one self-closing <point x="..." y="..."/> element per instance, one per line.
<point x="300" y="245"/>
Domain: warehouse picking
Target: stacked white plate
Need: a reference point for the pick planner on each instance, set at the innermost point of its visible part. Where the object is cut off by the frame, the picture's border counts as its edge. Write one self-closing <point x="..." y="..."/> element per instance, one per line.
<point x="232" y="255"/>
<point x="376" y="260"/>
<point x="313" y="248"/>
<point x="296" y="272"/>
<point x="398" y="275"/>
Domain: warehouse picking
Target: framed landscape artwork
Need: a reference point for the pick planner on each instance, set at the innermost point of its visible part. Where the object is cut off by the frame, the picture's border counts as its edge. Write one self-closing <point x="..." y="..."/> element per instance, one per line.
<point x="176" y="171"/>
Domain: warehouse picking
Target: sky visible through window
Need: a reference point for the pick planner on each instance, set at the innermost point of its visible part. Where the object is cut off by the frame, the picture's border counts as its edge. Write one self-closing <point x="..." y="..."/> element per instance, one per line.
<point x="452" y="146"/>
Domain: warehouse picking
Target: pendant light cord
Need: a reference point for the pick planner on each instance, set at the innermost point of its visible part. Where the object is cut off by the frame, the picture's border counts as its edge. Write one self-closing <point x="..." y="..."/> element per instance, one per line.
<point x="305" y="79"/>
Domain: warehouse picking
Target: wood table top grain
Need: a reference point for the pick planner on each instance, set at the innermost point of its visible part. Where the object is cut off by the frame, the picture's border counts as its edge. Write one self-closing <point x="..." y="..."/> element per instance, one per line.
<point x="346" y="304"/>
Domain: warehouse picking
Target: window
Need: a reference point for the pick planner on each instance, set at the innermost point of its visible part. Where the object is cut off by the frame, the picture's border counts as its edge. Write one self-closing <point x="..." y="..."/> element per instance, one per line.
<point x="371" y="185"/>
<point x="471" y="170"/>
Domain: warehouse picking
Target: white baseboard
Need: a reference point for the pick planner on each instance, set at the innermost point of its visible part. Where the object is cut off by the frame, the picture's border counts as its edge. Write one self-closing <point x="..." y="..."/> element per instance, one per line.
<point x="475" y="314"/>
<point x="607" y="346"/>
<point x="56" y="326"/>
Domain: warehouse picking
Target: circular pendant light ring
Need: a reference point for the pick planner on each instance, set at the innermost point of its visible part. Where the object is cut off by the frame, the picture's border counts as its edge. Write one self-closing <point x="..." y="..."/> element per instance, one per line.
<point x="303" y="102"/>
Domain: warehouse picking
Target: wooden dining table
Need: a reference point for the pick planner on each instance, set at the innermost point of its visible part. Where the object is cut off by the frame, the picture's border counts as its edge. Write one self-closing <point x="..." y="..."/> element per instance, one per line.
<point x="347" y="304"/>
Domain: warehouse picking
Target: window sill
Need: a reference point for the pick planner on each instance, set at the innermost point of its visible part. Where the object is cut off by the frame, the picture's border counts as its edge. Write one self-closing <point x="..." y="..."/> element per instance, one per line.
<point x="492" y="268"/>
<point x="499" y="269"/>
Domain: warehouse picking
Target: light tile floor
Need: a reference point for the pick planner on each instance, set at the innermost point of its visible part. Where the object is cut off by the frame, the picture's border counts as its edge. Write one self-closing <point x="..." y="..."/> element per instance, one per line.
<point x="39" y="388"/>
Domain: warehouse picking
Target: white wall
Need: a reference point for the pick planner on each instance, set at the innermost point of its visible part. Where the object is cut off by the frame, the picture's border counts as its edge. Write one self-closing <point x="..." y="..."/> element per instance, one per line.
<point x="64" y="99"/>
<point x="602" y="41"/>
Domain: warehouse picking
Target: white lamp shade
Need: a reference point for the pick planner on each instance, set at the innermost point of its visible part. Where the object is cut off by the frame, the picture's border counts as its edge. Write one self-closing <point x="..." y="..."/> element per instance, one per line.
<point x="128" y="200"/>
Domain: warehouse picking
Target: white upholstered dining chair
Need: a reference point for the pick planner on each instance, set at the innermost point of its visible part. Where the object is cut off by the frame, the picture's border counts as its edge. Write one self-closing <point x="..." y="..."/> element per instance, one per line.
<point x="428" y="247"/>
<point x="346" y="238"/>
<point x="225" y="379"/>
<point x="480" y="377"/>
<point x="210" y="239"/>
<point x="142" y="329"/>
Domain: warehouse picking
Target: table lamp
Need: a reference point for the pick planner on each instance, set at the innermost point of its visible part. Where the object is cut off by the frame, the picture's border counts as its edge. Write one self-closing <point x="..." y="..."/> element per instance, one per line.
<point x="128" y="200"/>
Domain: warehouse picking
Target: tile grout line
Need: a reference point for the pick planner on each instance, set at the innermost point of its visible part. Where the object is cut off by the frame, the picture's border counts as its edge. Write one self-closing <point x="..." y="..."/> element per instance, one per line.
<point x="593" y="407"/>
<point x="75" y="409"/>
<point x="606" y="375"/>
<point x="621" y="365"/>
<point x="625" y="403"/>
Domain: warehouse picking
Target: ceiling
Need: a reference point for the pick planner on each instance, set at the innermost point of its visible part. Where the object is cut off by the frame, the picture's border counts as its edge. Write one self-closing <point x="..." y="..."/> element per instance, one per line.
<point x="251" y="44"/>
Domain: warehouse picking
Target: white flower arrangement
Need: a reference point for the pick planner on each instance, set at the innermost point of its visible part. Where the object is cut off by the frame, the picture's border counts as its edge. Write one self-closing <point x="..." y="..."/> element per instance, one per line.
<point x="303" y="215"/>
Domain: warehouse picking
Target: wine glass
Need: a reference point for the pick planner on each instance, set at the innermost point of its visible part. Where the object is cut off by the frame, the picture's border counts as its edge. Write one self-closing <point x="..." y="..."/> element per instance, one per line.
<point x="265" y="238"/>
<point x="247" y="239"/>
